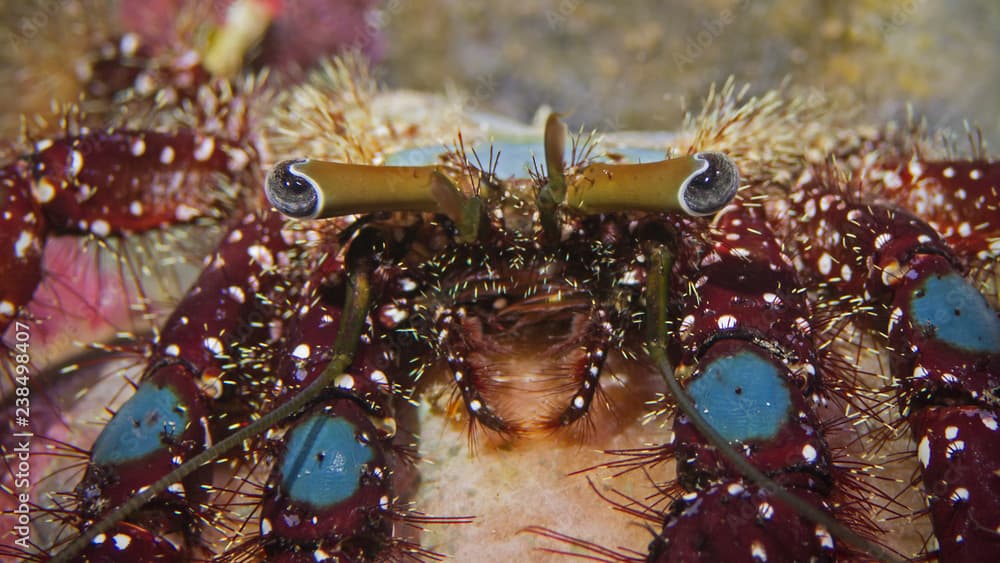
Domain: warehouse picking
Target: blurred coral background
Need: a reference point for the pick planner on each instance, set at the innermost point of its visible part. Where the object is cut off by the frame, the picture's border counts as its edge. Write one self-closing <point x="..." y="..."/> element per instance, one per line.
<point x="614" y="65"/>
<point x="608" y="65"/>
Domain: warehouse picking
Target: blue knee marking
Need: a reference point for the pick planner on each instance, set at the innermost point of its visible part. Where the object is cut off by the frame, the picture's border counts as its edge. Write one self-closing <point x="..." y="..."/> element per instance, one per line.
<point x="743" y="396"/>
<point x="323" y="461"/>
<point x="145" y="423"/>
<point x="957" y="313"/>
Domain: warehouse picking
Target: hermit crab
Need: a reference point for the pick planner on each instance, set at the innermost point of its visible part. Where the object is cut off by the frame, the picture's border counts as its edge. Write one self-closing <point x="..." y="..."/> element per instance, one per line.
<point x="727" y="333"/>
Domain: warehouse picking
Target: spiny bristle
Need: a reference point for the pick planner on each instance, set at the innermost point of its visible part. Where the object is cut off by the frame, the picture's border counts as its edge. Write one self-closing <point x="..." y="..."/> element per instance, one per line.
<point x="766" y="135"/>
<point x="340" y="114"/>
<point x="232" y="108"/>
<point x="329" y="116"/>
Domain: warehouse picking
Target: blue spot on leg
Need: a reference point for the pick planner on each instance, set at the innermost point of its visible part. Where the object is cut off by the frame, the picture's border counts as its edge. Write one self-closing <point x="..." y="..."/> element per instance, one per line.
<point x="743" y="396"/>
<point x="323" y="462"/>
<point x="148" y="421"/>
<point x="957" y="313"/>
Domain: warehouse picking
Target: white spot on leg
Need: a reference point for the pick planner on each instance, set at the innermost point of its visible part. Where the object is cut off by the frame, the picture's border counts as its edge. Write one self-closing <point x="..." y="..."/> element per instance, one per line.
<point x="726" y="322"/>
<point x="393" y="315"/>
<point x="262" y="255"/>
<point x="954" y="448"/>
<point x="213" y="345"/>
<point x="185" y="213"/>
<point x="741" y="253"/>
<point x="892" y="180"/>
<point x="809" y="453"/>
<point x="686" y="325"/>
<point x="989" y="421"/>
<point x="129" y="44"/>
<point x="167" y="155"/>
<point x="237" y="293"/>
<point x="961" y="494"/>
<point x="825" y="264"/>
<point x="825" y="539"/>
<point x="100" y="228"/>
<point x="43" y="190"/>
<point x="23" y="242"/>
<point x="378" y="377"/>
<point x="924" y="451"/>
<point x="845" y="273"/>
<point x="238" y="160"/>
<point x="765" y="510"/>
<point x="578" y="402"/>
<point x="894" y="317"/>
<point x="344" y="381"/>
<point x="121" y="541"/>
<point x="137" y="147"/>
<point x="75" y="163"/>
<point x="810" y="209"/>
<point x="301" y="351"/>
<point x="204" y="150"/>
<point x="826" y="202"/>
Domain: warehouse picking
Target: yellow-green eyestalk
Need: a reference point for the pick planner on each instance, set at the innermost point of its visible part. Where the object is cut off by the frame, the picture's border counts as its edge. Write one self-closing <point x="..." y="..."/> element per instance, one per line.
<point x="309" y="189"/>
<point x="701" y="184"/>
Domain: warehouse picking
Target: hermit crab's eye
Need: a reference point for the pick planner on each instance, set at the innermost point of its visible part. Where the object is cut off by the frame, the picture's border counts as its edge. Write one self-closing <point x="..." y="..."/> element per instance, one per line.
<point x="710" y="190"/>
<point x="293" y="193"/>
<point x="316" y="189"/>
<point x="701" y="184"/>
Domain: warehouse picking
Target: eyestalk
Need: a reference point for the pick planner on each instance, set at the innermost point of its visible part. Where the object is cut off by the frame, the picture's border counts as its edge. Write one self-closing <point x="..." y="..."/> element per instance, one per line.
<point x="701" y="184"/>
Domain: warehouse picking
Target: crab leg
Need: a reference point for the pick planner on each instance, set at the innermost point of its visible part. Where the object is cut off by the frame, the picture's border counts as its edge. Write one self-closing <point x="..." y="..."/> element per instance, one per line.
<point x="347" y="338"/>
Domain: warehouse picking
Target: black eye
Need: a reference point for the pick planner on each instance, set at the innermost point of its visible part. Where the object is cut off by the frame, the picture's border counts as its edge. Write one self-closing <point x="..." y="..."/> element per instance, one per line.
<point x="710" y="190"/>
<point x="291" y="193"/>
